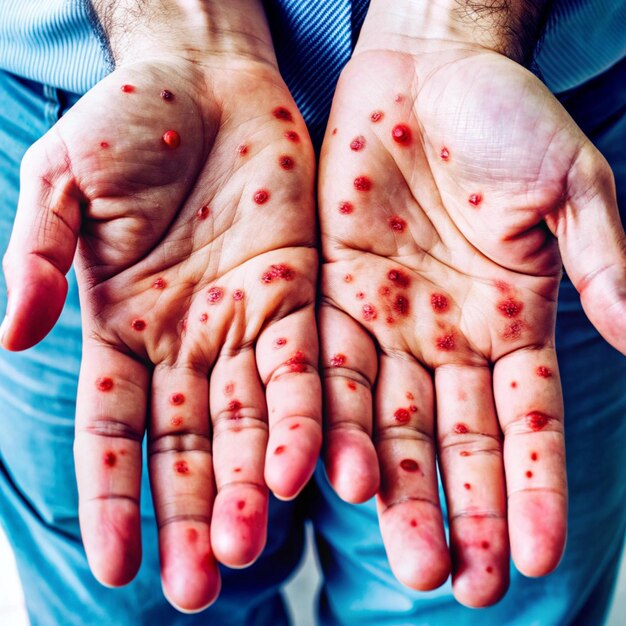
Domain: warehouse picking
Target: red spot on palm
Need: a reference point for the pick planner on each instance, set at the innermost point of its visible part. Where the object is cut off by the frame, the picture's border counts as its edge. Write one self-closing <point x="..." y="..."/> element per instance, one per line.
<point x="280" y="342"/>
<point x="138" y="325"/>
<point x="192" y="535"/>
<point x="167" y="95"/>
<point x="281" y="113"/>
<point x="409" y="396"/>
<point x="242" y="149"/>
<point x="513" y="330"/>
<point x="237" y="470"/>
<point x="234" y="405"/>
<point x="399" y="278"/>
<point x="513" y="384"/>
<point x="292" y="135"/>
<point x="104" y="384"/>
<point x="510" y="307"/>
<point x="345" y="208"/>
<point x="347" y="278"/>
<point x="358" y="143"/>
<point x="376" y="116"/>
<point x="444" y="154"/>
<point x="536" y="420"/>
<point x="413" y="523"/>
<point x="203" y="212"/>
<point x="176" y="399"/>
<point x="351" y="385"/>
<point x="159" y="283"/>
<point x="401" y="134"/>
<point x="171" y="139"/>
<point x="460" y="428"/>
<point x="177" y="420"/>
<point x="279" y="271"/>
<point x="279" y="450"/>
<point x="204" y="318"/>
<point x="297" y="363"/>
<point x="181" y="467"/>
<point x="397" y="224"/>
<point x="338" y="360"/>
<point x="489" y="569"/>
<point x="409" y="465"/>
<point x="475" y="199"/>
<point x="109" y="458"/>
<point x="544" y="372"/>
<point x="241" y="505"/>
<point x="465" y="453"/>
<point x="467" y="486"/>
<point x="360" y="295"/>
<point x="229" y="388"/>
<point x="334" y="132"/>
<point x="104" y="144"/>
<point x="127" y="88"/>
<point x="402" y="416"/>
<point x="401" y="305"/>
<point x="261" y="196"/>
<point x="445" y="343"/>
<point x="369" y="312"/>
<point x="294" y="426"/>
<point x="238" y="295"/>
<point x="529" y="474"/>
<point x="413" y="408"/>
<point x="384" y="290"/>
<point x="439" y="303"/>
<point x="362" y="183"/>
<point x="534" y="456"/>
<point x="215" y="295"/>
<point x="286" y="162"/>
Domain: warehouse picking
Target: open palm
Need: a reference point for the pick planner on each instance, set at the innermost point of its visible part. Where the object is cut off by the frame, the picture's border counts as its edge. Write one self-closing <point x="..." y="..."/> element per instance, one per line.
<point x="440" y="277"/>
<point x="191" y="196"/>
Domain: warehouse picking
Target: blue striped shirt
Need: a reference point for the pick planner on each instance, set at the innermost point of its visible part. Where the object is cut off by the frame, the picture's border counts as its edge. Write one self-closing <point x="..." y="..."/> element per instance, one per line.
<point x="53" y="42"/>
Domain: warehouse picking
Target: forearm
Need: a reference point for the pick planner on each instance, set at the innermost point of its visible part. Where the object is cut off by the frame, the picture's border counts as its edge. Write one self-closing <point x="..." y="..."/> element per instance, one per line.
<point x="511" y="27"/>
<point x="191" y="29"/>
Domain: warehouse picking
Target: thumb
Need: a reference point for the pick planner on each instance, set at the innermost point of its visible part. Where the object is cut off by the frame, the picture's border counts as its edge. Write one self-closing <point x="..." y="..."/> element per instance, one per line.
<point x="593" y="245"/>
<point x="42" y="244"/>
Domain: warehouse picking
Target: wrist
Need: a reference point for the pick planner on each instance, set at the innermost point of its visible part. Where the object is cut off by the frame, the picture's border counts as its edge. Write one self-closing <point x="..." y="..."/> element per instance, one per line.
<point x="416" y="26"/>
<point x="194" y="30"/>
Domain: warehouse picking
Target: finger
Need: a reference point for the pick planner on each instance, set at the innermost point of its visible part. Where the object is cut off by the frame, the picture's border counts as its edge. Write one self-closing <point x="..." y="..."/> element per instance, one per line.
<point x="349" y="364"/>
<point x="287" y="359"/>
<point x="183" y="491"/>
<point x="110" y="419"/>
<point x="42" y="245"/>
<point x="239" y="416"/>
<point x="470" y="453"/>
<point x="593" y="245"/>
<point x="530" y="408"/>
<point x="411" y="523"/>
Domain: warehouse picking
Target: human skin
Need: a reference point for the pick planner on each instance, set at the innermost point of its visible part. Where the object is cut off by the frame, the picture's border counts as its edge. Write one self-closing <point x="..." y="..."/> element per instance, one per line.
<point x="463" y="188"/>
<point x="184" y="182"/>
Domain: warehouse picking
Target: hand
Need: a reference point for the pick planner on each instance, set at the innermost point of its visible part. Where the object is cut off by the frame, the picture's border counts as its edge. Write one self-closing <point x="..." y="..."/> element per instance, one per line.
<point x="190" y="191"/>
<point x="463" y="185"/>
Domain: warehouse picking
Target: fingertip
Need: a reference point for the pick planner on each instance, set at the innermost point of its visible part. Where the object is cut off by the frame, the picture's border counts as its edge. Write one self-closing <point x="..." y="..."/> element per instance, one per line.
<point x="352" y="466"/>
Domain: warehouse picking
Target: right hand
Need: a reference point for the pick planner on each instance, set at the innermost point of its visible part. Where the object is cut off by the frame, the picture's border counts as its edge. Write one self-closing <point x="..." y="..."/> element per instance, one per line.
<point x="197" y="269"/>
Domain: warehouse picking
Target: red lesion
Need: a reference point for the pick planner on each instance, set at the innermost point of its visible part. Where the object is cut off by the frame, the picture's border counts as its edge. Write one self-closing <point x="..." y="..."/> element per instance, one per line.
<point x="241" y="504"/>
<point x="104" y="384"/>
<point x="347" y="278"/>
<point x="238" y="295"/>
<point x="203" y="212"/>
<point x="376" y="116"/>
<point x="294" y="426"/>
<point x="181" y="467"/>
<point x="362" y="183"/>
<point x="475" y="199"/>
<point x="467" y="486"/>
<point x="401" y="134"/>
<point x="279" y="450"/>
<point x="485" y="545"/>
<point x="369" y="312"/>
<point x="401" y="305"/>
<point x="204" y="318"/>
<point x="280" y="342"/>
<point x="176" y="399"/>
<point x="413" y="523"/>
<point x="237" y="470"/>
<point x="465" y="453"/>
<point x="439" y="303"/>
<point x="177" y="420"/>
<point x="338" y="360"/>
<point x="283" y="114"/>
<point x="286" y="162"/>
<point x="529" y="474"/>
<point x="138" y="325"/>
<point x="104" y="144"/>
<point x="167" y="95"/>
<point x="192" y="535"/>
<point x="215" y="295"/>
<point x="409" y="396"/>
<point x="346" y="208"/>
<point x="127" y="88"/>
<point x="234" y="406"/>
<point x="399" y="278"/>
<point x="489" y="569"/>
<point x="358" y="143"/>
<point x="513" y="384"/>
<point x="514" y="330"/>
<point x="536" y="420"/>
<point x="109" y="458"/>
<point x="242" y="149"/>
<point x="159" y="283"/>
<point x="445" y="343"/>
<point x="510" y="307"/>
<point x="297" y="363"/>
<point x="409" y="465"/>
<point x="292" y="135"/>
<point x="280" y="271"/>
<point x="351" y="385"/>
<point x="402" y="416"/>
<point x="461" y="428"/>
<point x="444" y="153"/>
<point x="261" y="196"/>
<point x="171" y="139"/>
<point x="397" y="224"/>
<point x="360" y="295"/>
<point x="534" y="456"/>
<point x="544" y="372"/>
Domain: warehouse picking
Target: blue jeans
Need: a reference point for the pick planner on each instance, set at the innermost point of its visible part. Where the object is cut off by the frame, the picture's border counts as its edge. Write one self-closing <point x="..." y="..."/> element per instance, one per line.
<point x="38" y="501"/>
